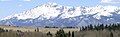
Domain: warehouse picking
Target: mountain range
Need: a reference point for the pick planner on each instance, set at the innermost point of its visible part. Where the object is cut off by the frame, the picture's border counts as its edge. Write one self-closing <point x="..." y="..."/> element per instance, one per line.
<point x="53" y="14"/>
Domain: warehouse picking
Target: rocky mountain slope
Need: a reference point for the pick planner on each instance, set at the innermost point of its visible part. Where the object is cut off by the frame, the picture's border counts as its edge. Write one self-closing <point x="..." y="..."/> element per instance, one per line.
<point x="52" y="14"/>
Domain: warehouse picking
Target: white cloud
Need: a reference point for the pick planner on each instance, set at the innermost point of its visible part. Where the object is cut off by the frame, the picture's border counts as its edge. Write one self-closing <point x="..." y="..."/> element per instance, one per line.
<point x="17" y="0"/>
<point x="105" y="1"/>
<point x="110" y="1"/>
<point x="5" y="0"/>
<point x="27" y="0"/>
<point x="20" y="5"/>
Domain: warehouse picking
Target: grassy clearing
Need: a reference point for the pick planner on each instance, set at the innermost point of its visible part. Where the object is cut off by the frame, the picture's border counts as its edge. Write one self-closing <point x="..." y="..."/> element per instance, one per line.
<point x="30" y="32"/>
<point x="30" y="29"/>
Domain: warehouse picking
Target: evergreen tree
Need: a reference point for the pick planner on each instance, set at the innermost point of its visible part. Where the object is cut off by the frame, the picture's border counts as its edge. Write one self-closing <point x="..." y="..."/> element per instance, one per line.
<point x="86" y="28"/>
<point x="83" y="28"/>
<point x="49" y="34"/>
<point x="106" y="26"/>
<point x="2" y="30"/>
<point x="95" y="27"/>
<point x="73" y="34"/>
<point x="91" y="27"/>
<point x="37" y="29"/>
<point x="61" y="33"/>
<point x="57" y="34"/>
<point x="110" y="27"/>
<point x="111" y="34"/>
<point x="69" y="34"/>
<point x="101" y="27"/>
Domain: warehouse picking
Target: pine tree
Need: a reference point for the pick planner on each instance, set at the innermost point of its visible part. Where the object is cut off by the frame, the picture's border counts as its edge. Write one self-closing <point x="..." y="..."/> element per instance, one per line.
<point x="86" y="28"/>
<point x="106" y="26"/>
<point x="69" y="34"/>
<point x="95" y="27"/>
<point x="57" y="34"/>
<point x="83" y="28"/>
<point x="61" y="33"/>
<point x="101" y="27"/>
<point x="111" y="34"/>
<point x="73" y="34"/>
<point x="2" y="30"/>
<point x="37" y="29"/>
<point x="110" y="27"/>
<point x="49" y="34"/>
<point x="91" y="27"/>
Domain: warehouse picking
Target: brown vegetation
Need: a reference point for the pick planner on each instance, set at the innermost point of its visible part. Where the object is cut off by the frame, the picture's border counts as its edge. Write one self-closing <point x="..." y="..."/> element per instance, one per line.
<point x="87" y="31"/>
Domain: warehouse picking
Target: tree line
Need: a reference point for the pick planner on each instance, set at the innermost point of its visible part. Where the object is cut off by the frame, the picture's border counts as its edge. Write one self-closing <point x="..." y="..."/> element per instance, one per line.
<point x="101" y="27"/>
<point x="61" y="33"/>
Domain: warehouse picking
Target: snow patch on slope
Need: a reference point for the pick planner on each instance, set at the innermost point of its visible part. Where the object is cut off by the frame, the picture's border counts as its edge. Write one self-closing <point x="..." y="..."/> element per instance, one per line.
<point x="52" y="10"/>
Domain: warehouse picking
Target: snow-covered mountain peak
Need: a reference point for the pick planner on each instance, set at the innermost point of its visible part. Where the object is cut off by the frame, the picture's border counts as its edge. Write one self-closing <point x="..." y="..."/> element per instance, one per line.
<point x="53" y="14"/>
<point x="52" y="10"/>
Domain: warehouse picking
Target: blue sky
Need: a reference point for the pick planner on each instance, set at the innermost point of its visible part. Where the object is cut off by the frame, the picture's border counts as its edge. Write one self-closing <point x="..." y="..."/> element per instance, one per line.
<point x="9" y="7"/>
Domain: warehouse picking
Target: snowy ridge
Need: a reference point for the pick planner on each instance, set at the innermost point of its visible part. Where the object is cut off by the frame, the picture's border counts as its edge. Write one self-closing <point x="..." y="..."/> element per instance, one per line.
<point x="52" y="10"/>
<point x="55" y="11"/>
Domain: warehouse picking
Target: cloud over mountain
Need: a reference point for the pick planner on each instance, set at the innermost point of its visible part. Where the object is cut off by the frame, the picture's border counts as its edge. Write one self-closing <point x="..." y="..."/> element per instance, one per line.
<point x="111" y="1"/>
